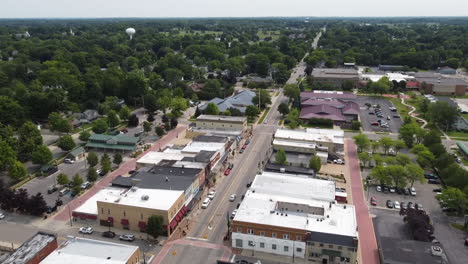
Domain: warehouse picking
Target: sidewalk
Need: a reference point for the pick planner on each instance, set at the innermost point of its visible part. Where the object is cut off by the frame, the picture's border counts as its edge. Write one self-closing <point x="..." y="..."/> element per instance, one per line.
<point x="367" y="241"/>
<point x="64" y="213"/>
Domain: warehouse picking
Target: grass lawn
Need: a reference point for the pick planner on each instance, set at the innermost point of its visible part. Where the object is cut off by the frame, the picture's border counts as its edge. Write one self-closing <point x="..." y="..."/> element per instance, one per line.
<point x="265" y="113"/>
<point x="458" y="134"/>
<point x="464" y="116"/>
<point x="402" y="109"/>
<point x="460" y="227"/>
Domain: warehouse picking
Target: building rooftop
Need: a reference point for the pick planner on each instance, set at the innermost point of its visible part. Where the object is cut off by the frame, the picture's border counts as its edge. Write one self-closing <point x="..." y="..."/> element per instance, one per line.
<point x="326" y="94"/>
<point x="30" y="248"/>
<point x="311" y="135"/>
<point x="81" y="250"/>
<point x="240" y="101"/>
<point x="292" y="203"/>
<point x="305" y="144"/>
<point x="344" y="73"/>
<point x="395" y="250"/>
<point x="229" y="119"/>
<point x="175" y="171"/>
<point x="272" y="167"/>
<point x="447" y="81"/>
<point x="154" y="157"/>
<point x="198" y="146"/>
<point x="213" y="138"/>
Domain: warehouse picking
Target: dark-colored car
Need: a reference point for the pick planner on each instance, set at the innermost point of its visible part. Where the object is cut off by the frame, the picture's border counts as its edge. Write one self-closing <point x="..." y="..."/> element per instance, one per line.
<point x="406" y="191"/>
<point x="108" y="234"/>
<point x="51" y="209"/>
<point x="437" y="190"/>
<point x="241" y="150"/>
<point x="244" y="146"/>
<point x="399" y="190"/>
<point x="249" y="184"/>
<point x="433" y="181"/>
<point x="385" y="189"/>
<point x="371" y="113"/>
<point x="52" y="189"/>
<point x="466" y="241"/>
<point x="247" y="142"/>
<point x="411" y="205"/>
<point x="389" y="204"/>
<point x="231" y="166"/>
<point x="430" y="176"/>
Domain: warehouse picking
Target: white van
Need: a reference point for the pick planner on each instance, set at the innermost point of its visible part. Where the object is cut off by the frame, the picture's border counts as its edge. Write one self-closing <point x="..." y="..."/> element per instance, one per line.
<point x="205" y="203"/>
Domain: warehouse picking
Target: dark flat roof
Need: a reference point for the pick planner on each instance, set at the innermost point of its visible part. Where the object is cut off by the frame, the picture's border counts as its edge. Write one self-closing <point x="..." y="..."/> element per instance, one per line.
<point x="203" y="138"/>
<point x="329" y="238"/>
<point x="397" y="251"/>
<point x="174" y="171"/>
<point x="204" y="156"/>
<point x="289" y="169"/>
<point x="155" y="181"/>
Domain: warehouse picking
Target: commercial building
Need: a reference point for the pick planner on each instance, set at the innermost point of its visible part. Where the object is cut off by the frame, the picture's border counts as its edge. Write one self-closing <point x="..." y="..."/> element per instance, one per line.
<point x="155" y="157"/>
<point x="391" y="67"/>
<point x="335" y="77"/>
<point x="78" y="250"/>
<point x="443" y="86"/>
<point x="34" y="250"/>
<point x="239" y="101"/>
<point x="109" y="142"/>
<point x="392" y="76"/>
<point x="296" y="216"/>
<point x="272" y="167"/>
<point x="339" y="111"/>
<point x="318" y="94"/>
<point x="326" y="139"/>
<point x="215" y="122"/>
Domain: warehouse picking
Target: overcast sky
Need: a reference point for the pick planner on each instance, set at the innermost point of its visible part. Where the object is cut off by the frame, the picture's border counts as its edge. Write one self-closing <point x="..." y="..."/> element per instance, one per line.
<point x="229" y="8"/>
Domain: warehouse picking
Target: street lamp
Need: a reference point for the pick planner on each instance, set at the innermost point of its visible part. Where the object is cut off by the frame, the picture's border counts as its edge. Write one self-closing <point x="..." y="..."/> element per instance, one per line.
<point x="253" y="248"/>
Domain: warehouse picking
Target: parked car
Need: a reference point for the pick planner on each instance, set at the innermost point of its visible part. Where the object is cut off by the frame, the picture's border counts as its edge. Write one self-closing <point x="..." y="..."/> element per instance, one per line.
<point x="430" y="176"/>
<point x="392" y="190"/>
<point x="127" y="237"/>
<point x="389" y="204"/>
<point x="2" y="216"/>
<point x="403" y="205"/>
<point x="231" y="165"/>
<point x="385" y="189"/>
<point x="205" y="203"/>
<point x="373" y="201"/>
<point x="458" y="160"/>
<point x="385" y="125"/>
<point x="438" y="190"/>
<point x="466" y="241"/>
<point x="338" y="161"/>
<point x="406" y="192"/>
<point x="378" y="188"/>
<point x="52" y="189"/>
<point x="211" y="194"/>
<point x="68" y="161"/>
<point x="244" y="146"/>
<point x="227" y="171"/>
<point x="51" y="209"/>
<point x="388" y="118"/>
<point x="248" y="184"/>
<point x="85" y="185"/>
<point x="232" y="198"/>
<point x="64" y="191"/>
<point x="108" y="234"/>
<point x="241" y="150"/>
<point x="413" y="191"/>
<point x="374" y="124"/>
<point x="396" y="205"/>
<point x="411" y="205"/>
<point x="419" y="206"/>
<point x="371" y="113"/>
<point x="247" y="142"/>
<point x="86" y="230"/>
<point x="433" y="181"/>
<point x="233" y="214"/>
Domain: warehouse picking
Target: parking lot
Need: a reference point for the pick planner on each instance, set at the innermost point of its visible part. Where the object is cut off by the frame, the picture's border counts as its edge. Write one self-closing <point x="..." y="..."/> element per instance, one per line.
<point x="394" y="123"/>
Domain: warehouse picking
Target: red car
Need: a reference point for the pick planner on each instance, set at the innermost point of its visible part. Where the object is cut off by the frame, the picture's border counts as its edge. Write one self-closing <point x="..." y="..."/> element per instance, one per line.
<point x="244" y="146"/>
<point x="374" y="123"/>
<point x="227" y="171"/>
<point x="373" y="201"/>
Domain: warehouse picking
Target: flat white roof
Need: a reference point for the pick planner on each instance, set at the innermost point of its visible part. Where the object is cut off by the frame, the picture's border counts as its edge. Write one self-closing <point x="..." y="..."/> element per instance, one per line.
<point x="231" y="119"/>
<point x="262" y="207"/>
<point x="291" y="185"/>
<point x="281" y="142"/>
<point x="392" y="76"/>
<point x="189" y="164"/>
<point x="157" y="199"/>
<point x="82" y="250"/>
<point x="311" y="135"/>
<point x="197" y="146"/>
<point x="462" y="104"/>
<point x="154" y="157"/>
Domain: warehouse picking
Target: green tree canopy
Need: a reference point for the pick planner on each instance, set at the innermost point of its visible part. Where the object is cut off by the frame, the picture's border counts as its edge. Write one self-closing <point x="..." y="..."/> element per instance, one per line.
<point x="66" y="143"/>
<point x="100" y="126"/>
<point x="155" y="226"/>
<point x="362" y="142"/>
<point x="17" y="171"/>
<point x="315" y="163"/>
<point x="42" y="155"/>
<point x="92" y="159"/>
<point x="62" y="179"/>
<point x="211" y="109"/>
<point x="280" y="157"/>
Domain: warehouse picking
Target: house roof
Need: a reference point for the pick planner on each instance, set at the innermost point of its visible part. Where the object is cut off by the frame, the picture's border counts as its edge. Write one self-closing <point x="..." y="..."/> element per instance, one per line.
<point x="327" y="94"/>
<point x="118" y="138"/>
<point x="77" y="151"/>
<point x="322" y="111"/>
<point x="239" y="101"/>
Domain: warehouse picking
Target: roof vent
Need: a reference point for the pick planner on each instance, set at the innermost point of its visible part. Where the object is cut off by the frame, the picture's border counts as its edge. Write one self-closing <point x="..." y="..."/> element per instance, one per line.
<point x="285" y="214"/>
<point x="134" y="189"/>
<point x="167" y="178"/>
<point x="108" y="257"/>
<point x="328" y="216"/>
<point x="277" y="213"/>
<point x="272" y="211"/>
<point x="281" y="214"/>
<point x="182" y="172"/>
<point x="144" y="197"/>
<point x="344" y="207"/>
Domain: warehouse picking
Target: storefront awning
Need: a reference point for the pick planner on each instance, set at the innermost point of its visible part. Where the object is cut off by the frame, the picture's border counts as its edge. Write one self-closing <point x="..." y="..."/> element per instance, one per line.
<point x="124" y="222"/>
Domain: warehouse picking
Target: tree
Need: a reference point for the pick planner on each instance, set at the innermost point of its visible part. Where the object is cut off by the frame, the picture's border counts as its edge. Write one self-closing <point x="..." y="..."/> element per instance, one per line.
<point x="365" y="158"/>
<point x="17" y="171"/>
<point x="124" y="113"/>
<point x="212" y="109"/>
<point x="159" y="131"/>
<point x="402" y="159"/>
<point x="92" y="174"/>
<point x="425" y="158"/>
<point x="84" y="135"/>
<point x="442" y="114"/>
<point x="62" y="179"/>
<point x="42" y="155"/>
<point x="77" y="181"/>
<point x="292" y="91"/>
<point x="155" y="226"/>
<point x="252" y="111"/>
<point x="58" y="123"/>
<point x="355" y="125"/>
<point x="133" y="121"/>
<point x="414" y="173"/>
<point x="432" y="137"/>
<point x="283" y="108"/>
<point x="362" y="142"/>
<point x="29" y="139"/>
<point x="315" y="163"/>
<point x="347" y="85"/>
<point x="453" y="198"/>
<point x="397" y="173"/>
<point x="265" y="98"/>
<point x="375" y="145"/>
<point x="99" y="126"/>
<point x="419" y="224"/>
<point x="117" y="158"/>
<point x="399" y="144"/>
<point x="113" y="119"/>
<point x="409" y="133"/>
<point x="7" y="155"/>
<point x="146" y="127"/>
<point x="386" y="143"/>
<point x="280" y="157"/>
<point x="197" y="112"/>
<point x="92" y="159"/>
<point x="66" y="143"/>
<point x="418" y="148"/>
<point x="106" y="163"/>
<point x="36" y="204"/>
<point x="380" y="174"/>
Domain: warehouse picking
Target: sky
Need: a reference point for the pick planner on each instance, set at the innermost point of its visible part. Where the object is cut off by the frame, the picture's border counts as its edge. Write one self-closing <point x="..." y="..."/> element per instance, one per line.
<point x="228" y="8"/>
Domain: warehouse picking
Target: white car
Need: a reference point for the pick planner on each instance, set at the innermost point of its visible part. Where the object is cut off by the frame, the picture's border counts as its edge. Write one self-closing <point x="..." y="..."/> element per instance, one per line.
<point x="338" y="161"/>
<point x="413" y="191"/>
<point x="233" y="214"/>
<point x="86" y="230"/>
<point x="68" y="161"/>
<point x="211" y="194"/>
<point x="378" y="188"/>
<point x="232" y="198"/>
<point x="2" y="216"/>
<point x="396" y="205"/>
<point x="205" y="203"/>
